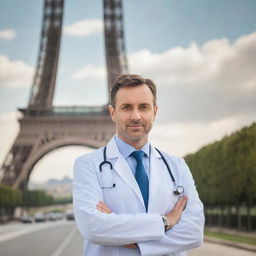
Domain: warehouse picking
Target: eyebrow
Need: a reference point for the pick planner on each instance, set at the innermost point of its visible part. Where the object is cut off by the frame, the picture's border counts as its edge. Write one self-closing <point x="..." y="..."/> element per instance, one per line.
<point x="132" y="104"/>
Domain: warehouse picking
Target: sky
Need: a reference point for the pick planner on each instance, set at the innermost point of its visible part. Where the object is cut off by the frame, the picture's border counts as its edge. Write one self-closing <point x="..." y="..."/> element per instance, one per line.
<point x="200" y="53"/>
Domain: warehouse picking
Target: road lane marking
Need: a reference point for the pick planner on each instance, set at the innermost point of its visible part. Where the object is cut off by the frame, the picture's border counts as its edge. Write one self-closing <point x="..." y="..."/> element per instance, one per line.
<point x="65" y="242"/>
<point x="29" y="230"/>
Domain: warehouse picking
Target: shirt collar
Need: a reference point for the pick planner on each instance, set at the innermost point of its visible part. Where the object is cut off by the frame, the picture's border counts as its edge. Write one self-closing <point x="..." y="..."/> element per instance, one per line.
<point x="126" y="149"/>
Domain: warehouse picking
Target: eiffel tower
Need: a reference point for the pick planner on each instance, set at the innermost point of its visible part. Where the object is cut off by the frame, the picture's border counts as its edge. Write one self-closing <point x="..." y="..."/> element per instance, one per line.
<point x="44" y="127"/>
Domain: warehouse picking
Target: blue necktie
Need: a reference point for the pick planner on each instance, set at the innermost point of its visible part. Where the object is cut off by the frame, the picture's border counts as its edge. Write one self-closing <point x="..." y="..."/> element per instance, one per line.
<point x="141" y="175"/>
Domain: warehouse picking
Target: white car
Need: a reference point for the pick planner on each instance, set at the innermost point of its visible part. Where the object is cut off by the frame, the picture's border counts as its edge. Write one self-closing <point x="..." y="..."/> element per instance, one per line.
<point x="26" y="219"/>
<point x="40" y="217"/>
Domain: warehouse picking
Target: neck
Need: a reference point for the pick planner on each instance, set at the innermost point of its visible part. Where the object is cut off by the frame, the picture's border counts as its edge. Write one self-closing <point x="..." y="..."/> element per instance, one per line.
<point x="137" y="144"/>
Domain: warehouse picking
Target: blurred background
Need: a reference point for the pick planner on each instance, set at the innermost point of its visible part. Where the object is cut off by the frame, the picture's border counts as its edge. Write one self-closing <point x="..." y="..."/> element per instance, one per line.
<point x="202" y="57"/>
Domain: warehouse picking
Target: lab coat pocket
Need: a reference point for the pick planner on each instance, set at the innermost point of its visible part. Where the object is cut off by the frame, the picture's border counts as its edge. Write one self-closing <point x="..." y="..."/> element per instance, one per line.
<point x="171" y="200"/>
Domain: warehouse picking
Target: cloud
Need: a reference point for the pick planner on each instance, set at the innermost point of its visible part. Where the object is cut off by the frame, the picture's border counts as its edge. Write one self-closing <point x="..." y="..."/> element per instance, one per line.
<point x="14" y="73"/>
<point x="90" y="71"/>
<point x="183" y="138"/>
<point x="211" y="82"/>
<point x="204" y="83"/>
<point x="84" y="28"/>
<point x="7" y="34"/>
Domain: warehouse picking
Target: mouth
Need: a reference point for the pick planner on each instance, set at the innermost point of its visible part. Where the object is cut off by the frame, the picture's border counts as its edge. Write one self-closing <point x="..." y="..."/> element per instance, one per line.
<point x="135" y="126"/>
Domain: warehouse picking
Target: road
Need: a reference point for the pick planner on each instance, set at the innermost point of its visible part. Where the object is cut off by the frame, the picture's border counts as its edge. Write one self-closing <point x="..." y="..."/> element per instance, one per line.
<point x="61" y="238"/>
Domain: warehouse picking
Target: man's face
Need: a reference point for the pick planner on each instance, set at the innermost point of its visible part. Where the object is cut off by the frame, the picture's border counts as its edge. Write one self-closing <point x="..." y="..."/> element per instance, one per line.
<point x="134" y="113"/>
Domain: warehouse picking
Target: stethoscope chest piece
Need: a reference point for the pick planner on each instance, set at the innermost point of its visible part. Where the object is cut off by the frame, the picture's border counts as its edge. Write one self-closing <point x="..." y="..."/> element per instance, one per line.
<point x="179" y="190"/>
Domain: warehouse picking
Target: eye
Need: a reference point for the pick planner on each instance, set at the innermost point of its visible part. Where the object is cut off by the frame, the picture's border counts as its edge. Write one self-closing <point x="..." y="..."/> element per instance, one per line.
<point x="125" y="107"/>
<point x="145" y="107"/>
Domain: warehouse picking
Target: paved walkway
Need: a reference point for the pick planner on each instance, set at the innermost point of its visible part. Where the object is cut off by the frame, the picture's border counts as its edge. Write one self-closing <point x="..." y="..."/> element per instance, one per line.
<point x="212" y="249"/>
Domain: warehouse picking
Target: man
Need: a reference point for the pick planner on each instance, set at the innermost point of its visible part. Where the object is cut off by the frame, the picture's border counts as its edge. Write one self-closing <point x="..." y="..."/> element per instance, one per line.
<point x="126" y="201"/>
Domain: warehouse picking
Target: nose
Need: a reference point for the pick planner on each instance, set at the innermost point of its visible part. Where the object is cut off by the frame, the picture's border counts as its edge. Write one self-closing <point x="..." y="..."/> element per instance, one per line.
<point x="135" y="115"/>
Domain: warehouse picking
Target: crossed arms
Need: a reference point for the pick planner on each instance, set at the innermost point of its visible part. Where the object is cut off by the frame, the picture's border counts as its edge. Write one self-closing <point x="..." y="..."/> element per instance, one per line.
<point x="144" y="229"/>
<point x="173" y="216"/>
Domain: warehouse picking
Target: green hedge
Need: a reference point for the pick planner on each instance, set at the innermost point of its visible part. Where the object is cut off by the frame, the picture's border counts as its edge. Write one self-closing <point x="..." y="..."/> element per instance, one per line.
<point x="225" y="171"/>
<point x="11" y="198"/>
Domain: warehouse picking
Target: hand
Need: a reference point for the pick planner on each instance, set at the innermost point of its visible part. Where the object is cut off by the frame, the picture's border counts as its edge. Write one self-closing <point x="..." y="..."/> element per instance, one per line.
<point x="102" y="207"/>
<point x="131" y="246"/>
<point x="174" y="215"/>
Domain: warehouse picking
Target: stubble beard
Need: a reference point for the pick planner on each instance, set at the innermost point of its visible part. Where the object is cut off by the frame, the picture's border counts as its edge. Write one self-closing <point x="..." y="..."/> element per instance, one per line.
<point x="132" y="138"/>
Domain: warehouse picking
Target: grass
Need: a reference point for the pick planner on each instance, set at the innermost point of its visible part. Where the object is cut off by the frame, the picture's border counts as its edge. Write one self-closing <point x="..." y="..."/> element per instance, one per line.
<point x="235" y="238"/>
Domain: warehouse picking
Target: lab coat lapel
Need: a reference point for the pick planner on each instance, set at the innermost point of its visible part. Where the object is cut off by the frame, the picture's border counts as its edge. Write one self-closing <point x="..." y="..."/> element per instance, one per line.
<point x="155" y="185"/>
<point x="123" y="169"/>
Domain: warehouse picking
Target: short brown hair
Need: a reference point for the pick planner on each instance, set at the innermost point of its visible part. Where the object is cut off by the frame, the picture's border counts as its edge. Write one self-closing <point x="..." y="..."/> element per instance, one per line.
<point x="131" y="80"/>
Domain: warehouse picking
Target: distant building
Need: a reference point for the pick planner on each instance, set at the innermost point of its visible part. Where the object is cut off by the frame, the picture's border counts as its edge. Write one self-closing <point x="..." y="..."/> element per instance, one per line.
<point x="54" y="187"/>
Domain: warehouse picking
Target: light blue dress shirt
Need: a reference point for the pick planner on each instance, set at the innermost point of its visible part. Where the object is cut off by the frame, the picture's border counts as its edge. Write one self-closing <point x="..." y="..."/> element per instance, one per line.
<point x="126" y="149"/>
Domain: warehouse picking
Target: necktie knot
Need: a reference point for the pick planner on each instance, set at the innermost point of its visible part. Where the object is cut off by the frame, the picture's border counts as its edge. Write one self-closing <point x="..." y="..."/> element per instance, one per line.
<point x="138" y="155"/>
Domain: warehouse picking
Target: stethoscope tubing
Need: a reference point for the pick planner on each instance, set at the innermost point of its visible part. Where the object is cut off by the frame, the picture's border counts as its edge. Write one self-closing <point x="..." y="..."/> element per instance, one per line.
<point x="178" y="189"/>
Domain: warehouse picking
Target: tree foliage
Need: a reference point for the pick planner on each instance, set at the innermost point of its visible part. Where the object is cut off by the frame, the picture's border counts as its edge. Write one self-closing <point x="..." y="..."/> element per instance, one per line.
<point x="11" y="198"/>
<point x="225" y="171"/>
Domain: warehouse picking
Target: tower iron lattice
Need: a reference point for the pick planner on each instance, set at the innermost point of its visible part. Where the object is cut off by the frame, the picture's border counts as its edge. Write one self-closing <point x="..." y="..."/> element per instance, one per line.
<point x="44" y="127"/>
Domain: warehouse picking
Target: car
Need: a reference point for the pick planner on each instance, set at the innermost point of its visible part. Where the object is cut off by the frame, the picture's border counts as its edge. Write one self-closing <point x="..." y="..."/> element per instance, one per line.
<point x="27" y="219"/>
<point x="59" y="215"/>
<point x="54" y="216"/>
<point x="40" y="217"/>
<point x="70" y="215"/>
<point x="51" y="216"/>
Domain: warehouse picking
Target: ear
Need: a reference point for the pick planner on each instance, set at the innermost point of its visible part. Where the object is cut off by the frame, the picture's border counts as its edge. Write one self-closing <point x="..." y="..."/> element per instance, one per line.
<point x="112" y="112"/>
<point x="155" y="111"/>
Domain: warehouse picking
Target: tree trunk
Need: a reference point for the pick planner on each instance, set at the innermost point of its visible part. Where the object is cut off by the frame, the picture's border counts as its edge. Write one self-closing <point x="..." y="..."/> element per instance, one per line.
<point x="249" y="219"/>
<point x="221" y="218"/>
<point x="238" y="218"/>
<point x="229" y="217"/>
<point x="209" y="217"/>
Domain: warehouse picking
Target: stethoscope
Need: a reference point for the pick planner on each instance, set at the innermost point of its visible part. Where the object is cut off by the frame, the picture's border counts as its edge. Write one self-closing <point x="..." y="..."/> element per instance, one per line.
<point x="179" y="190"/>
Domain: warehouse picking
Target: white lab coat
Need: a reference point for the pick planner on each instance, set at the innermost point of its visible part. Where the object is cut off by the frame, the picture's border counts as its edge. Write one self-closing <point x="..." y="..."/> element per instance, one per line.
<point x="104" y="234"/>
